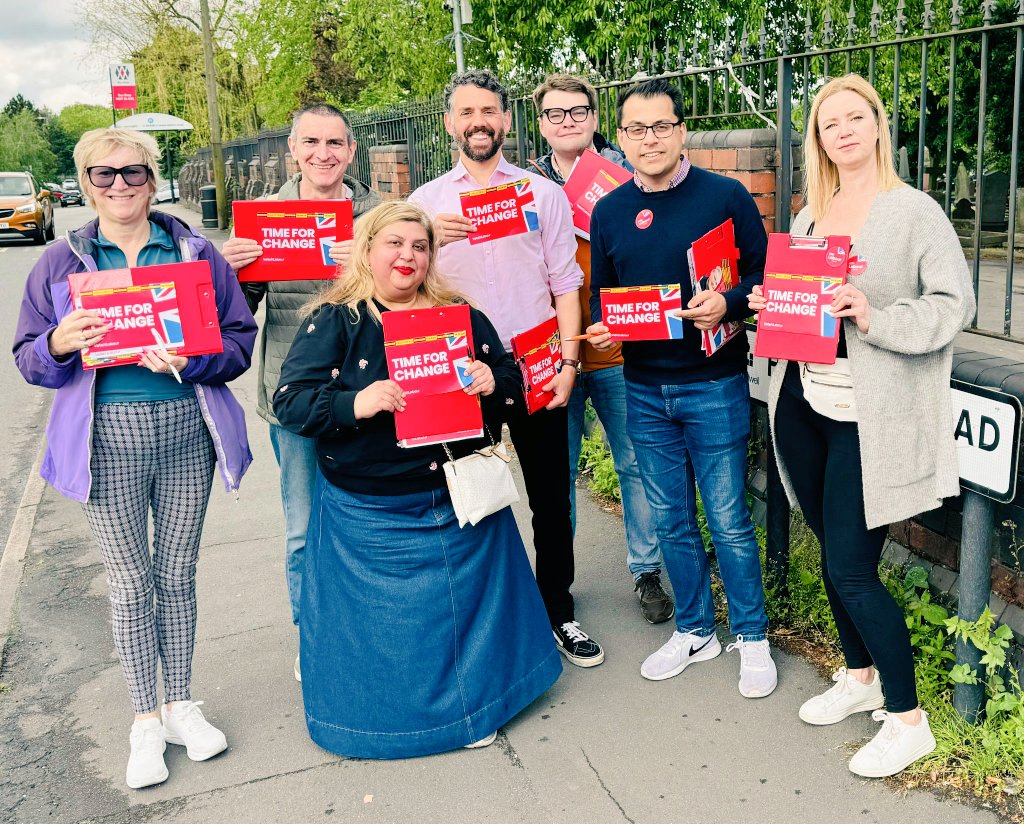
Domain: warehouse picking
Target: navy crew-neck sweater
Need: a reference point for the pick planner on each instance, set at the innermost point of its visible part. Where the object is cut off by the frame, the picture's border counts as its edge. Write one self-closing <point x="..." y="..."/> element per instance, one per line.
<point x="624" y="254"/>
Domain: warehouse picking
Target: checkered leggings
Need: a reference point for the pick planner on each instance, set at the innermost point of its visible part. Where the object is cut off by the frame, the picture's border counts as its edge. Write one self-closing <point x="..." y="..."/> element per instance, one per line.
<point x="151" y="455"/>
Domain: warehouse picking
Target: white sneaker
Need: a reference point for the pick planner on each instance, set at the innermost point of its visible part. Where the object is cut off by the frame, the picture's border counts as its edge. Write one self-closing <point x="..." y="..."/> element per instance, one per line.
<point x="297" y="671"/>
<point x="681" y="650"/>
<point x="896" y="747"/>
<point x="758" y="676"/>
<point x="184" y="724"/>
<point x="146" y="763"/>
<point x="483" y="742"/>
<point x="847" y="697"/>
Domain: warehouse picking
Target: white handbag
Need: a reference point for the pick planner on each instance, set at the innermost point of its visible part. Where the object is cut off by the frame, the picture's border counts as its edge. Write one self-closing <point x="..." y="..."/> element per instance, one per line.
<point x="481" y="483"/>
<point x="828" y="389"/>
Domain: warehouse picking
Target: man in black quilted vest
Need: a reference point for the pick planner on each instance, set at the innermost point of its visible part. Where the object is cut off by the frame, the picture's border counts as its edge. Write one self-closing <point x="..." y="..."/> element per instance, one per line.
<point x="321" y="143"/>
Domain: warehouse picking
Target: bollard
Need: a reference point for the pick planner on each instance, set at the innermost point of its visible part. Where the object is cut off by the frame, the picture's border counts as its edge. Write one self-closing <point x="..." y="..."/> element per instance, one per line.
<point x="208" y="204"/>
<point x="975" y="587"/>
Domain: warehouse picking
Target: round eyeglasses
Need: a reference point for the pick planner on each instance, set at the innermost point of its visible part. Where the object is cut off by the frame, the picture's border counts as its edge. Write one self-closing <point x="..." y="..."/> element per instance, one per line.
<point x="577" y="113"/>
<point x="102" y="177"/>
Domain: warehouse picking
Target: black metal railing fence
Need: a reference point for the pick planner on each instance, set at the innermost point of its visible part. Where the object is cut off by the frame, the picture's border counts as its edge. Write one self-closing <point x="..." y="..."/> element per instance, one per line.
<point x="949" y="72"/>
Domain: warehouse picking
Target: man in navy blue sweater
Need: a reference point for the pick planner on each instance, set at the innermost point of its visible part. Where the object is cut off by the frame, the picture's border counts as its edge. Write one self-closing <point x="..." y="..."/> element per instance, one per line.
<point x="688" y="414"/>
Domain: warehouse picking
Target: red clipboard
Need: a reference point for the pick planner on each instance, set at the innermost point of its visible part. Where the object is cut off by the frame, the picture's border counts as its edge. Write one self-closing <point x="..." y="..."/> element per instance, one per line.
<point x="296" y="237"/>
<point x="445" y="416"/>
<point x="800" y="276"/>
<point x="184" y="311"/>
<point x="537" y="351"/>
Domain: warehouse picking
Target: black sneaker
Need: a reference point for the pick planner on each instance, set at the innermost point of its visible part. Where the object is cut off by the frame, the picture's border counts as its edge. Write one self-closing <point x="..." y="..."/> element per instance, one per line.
<point x="655" y="604"/>
<point x="577" y="646"/>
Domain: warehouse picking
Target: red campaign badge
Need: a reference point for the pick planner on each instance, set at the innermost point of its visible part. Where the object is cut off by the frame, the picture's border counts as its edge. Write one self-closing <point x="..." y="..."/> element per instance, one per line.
<point x="644" y="219"/>
<point x="857" y="265"/>
<point x="836" y="255"/>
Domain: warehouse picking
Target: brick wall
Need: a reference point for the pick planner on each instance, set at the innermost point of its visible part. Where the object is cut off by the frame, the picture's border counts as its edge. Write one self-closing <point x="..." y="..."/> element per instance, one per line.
<point x="389" y="171"/>
<point x="750" y="156"/>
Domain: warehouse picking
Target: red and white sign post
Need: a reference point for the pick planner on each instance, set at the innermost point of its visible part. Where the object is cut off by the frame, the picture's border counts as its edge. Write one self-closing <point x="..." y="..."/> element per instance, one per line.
<point x="122" y="86"/>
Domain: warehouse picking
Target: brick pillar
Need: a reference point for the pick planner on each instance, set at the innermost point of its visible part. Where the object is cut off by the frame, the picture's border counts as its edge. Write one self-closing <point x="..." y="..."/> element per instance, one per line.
<point x="748" y="155"/>
<point x="389" y="171"/>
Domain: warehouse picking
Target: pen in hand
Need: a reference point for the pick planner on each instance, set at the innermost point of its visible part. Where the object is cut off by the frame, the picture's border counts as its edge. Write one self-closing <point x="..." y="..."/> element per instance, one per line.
<point x="162" y="348"/>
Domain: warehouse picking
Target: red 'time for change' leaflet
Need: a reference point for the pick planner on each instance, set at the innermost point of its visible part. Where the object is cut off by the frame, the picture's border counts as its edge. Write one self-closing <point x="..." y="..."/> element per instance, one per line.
<point x="591" y="178"/>
<point x="501" y="211"/>
<point x="296" y="237"/>
<point x="642" y="312"/>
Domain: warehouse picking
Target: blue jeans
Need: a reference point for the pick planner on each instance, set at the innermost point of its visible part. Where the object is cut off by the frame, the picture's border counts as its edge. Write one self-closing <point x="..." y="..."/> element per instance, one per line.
<point x="607" y="392"/>
<point x="296" y="456"/>
<point x="697" y="432"/>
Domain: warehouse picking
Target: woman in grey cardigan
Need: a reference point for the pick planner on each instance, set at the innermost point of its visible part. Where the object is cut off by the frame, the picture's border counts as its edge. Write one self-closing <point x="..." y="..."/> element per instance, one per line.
<point x="879" y="448"/>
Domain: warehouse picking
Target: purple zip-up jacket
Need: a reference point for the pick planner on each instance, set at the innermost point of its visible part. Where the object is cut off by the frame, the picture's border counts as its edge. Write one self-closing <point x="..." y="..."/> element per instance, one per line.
<point x="69" y="430"/>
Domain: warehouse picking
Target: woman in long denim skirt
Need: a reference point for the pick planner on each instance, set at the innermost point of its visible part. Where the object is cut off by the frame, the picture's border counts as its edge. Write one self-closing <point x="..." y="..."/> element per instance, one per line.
<point x="416" y="636"/>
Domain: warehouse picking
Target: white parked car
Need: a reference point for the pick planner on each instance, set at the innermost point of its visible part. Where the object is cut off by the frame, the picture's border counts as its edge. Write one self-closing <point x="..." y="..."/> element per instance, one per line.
<point x="163" y="194"/>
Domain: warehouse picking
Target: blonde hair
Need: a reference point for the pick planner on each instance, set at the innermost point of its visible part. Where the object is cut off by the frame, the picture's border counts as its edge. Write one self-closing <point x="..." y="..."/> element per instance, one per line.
<point x="821" y="174"/>
<point x="96" y="143"/>
<point x="356" y="286"/>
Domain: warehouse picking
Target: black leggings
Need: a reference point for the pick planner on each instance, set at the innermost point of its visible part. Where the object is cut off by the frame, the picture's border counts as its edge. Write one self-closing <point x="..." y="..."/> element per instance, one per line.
<point x="822" y="458"/>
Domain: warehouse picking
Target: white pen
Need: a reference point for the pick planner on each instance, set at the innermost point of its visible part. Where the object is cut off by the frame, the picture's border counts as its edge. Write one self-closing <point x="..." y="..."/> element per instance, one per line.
<point x="162" y="348"/>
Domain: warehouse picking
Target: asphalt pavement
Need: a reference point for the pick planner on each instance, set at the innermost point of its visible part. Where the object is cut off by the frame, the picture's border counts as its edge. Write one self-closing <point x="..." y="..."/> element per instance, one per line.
<point x="603" y="745"/>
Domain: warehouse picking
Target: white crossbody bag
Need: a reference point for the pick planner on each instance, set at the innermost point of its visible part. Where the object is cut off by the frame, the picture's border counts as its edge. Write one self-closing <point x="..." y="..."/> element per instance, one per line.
<point x="481" y="483"/>
<point x="828" y="389"/>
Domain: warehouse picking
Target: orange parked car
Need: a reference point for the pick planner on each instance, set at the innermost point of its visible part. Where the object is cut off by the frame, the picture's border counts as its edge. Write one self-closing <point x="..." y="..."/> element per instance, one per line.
<point x="26" y="209"/>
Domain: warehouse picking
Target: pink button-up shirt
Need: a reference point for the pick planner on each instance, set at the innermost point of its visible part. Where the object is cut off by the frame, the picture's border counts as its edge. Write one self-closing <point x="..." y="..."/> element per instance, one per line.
<point x="511" y="279"/>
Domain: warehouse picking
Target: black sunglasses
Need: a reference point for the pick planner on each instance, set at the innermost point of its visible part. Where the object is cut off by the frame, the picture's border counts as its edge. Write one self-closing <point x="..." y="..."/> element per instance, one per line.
<point x="102" y="177"/>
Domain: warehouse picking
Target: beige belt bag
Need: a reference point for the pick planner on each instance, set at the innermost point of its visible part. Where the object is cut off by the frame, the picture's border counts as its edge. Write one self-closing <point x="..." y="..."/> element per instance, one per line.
<point x="828" y="389"/>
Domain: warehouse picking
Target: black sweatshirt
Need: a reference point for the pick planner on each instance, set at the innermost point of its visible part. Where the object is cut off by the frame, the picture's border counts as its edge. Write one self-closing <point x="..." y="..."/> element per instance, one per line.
<point x="331" y="360"/>
<point x="623" y="254"/>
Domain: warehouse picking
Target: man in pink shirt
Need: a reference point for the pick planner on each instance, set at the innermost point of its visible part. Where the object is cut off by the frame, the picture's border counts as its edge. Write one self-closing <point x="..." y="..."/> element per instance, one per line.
<point x="519" y="282"/>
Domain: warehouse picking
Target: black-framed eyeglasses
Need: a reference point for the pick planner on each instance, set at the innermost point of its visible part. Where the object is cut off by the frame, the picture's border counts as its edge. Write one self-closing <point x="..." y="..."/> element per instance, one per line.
<point x="635" y="131"/>
<point x="577" y="113"/>
<point x="102" y="177"/>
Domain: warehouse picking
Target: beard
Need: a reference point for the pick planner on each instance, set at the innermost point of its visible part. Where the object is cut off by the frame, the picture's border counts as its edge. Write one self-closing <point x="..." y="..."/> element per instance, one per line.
<point x="481" y="155"/>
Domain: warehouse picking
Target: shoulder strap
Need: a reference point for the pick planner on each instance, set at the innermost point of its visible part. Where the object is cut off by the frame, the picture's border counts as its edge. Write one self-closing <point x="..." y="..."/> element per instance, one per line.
<point x="539" y="169"/>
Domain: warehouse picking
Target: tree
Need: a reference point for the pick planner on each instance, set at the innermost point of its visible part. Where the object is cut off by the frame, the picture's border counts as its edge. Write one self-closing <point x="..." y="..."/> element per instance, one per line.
<point x="23" y="146"/>
<point x="18" y="104"/>
<point x="78" y="118"/>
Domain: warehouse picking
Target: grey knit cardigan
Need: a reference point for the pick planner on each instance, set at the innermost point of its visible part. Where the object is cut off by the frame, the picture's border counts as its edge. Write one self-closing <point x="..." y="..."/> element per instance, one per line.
<point x="920" y="292"/>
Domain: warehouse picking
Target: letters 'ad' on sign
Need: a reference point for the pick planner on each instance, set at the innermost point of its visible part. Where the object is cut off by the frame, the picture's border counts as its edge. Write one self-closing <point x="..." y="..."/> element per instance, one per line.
<point x="986" y="425"/>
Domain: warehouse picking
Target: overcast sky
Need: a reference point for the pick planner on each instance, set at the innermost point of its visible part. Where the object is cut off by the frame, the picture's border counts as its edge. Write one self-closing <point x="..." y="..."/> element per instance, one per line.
<point x="46" y="56"/>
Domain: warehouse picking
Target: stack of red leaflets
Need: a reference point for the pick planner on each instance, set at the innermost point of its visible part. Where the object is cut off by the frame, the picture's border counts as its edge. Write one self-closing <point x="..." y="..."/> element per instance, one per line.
<point x="714" y="264"/>
<point x="501" y="211"/>
<point x="591" y="178"/>
<point x="428" y="352"/>
<point x="643" y="312"/>
<point x="537" y="351"/>
<point x="800" y="276"/>
<point x="171" y="306"/>
<point x="296" y="237"/>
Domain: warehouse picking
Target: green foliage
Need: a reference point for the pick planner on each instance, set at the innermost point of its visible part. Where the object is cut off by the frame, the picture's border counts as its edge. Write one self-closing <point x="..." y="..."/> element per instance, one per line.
<point x="23" y="147"/>
<point x="596" y="462"/>
<point x="78" y="118"/>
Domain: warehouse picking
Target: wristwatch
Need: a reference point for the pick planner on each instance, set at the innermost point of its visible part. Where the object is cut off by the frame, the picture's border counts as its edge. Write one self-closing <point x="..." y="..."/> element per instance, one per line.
<point x="575" y="364"/>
